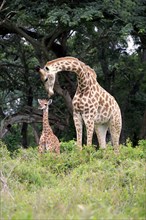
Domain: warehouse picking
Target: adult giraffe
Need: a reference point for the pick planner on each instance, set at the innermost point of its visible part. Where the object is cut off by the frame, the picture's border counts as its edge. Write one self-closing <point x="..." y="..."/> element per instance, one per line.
<point x="91" y="103"/>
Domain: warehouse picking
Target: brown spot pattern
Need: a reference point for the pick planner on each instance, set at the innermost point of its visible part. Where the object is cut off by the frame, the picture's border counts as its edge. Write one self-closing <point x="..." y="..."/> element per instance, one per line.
<point x="90" y="97"/>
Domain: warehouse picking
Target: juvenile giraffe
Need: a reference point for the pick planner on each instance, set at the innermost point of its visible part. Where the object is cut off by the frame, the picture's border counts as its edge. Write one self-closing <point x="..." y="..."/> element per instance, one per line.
<point x="48" y="140"/>
<point x="91" y="103"/>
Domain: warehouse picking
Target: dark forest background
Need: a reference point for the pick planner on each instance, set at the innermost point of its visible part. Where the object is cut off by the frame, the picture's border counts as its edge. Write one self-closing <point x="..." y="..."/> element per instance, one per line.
<point x="96" y="32"/>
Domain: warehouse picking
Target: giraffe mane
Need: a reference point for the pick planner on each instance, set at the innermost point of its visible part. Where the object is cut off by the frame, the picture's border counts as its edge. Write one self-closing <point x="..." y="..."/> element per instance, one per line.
<point x="93" y="74"/>
<point x="62" y="59"/>
<point x="89" y="69"/>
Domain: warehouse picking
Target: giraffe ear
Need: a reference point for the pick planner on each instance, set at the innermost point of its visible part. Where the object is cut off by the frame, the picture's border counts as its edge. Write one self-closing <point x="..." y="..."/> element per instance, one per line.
<point x="39" y="101"/>
<point x="50" y="101"/>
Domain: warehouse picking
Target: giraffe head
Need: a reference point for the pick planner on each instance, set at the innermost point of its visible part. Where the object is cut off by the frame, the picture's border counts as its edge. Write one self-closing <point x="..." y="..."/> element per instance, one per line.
<point x="44" y="103"/>
<point x="48" y="76"/>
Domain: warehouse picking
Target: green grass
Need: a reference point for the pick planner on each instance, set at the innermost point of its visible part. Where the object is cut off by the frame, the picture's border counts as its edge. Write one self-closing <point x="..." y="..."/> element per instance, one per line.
<point x="85" y="184"/>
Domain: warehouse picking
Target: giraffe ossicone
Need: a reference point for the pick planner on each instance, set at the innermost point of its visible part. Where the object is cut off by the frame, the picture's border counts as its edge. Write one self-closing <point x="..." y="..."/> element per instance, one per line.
<point x="91" y="103"/>
<point x="48" y="141"/>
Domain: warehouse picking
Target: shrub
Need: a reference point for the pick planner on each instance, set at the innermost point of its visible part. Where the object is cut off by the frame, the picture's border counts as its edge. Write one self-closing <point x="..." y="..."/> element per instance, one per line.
<point x="76" y="184"/>
<point x="4" y="153"/>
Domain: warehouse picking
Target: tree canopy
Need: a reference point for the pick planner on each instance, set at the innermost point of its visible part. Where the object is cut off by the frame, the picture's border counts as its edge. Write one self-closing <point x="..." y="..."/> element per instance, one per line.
<point x="97" y="32"/>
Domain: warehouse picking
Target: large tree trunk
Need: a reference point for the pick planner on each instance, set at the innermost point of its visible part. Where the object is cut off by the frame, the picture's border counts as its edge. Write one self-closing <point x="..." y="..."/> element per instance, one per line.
<point x="143" y="127"/>
<point x="24" y="141"/>
<point x="24" y="129"/>
<point x="104" y="65"/>
<point x="36" y="133"/>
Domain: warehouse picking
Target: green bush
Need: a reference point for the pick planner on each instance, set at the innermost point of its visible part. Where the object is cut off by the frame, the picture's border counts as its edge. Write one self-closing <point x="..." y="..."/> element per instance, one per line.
<point x="76" y="184"/>
<point x="13" y="139"/>
<point x="4" y="153"/>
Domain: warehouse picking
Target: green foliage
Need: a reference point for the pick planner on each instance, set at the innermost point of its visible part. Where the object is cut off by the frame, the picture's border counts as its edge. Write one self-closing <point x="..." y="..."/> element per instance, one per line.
<point x="68" y="146"/>
<point x="32" y="32"/>
<point x="13" y="139"/>
<point x="4" y="152"/>
<point x="85" y="184"/>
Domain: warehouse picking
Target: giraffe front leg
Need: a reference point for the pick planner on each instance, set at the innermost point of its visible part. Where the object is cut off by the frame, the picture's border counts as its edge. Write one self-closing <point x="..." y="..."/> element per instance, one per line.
<point x="79" y="128"/>
<point x="90" y="130"/>
<point x="89" y="123"/>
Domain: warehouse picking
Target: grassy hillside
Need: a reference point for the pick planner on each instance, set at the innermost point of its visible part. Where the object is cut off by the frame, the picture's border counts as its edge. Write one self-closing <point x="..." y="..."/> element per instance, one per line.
<point x="74" y="185"/>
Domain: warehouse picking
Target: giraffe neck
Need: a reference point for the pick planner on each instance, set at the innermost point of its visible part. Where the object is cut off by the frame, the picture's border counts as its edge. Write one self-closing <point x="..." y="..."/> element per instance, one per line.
<point x="84" y="73"/>
<point x="46" y="126"/>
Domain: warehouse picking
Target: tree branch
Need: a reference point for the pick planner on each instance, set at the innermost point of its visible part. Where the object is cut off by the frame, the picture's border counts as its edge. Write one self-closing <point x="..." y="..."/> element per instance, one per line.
<point x="65" y="94"/>
<point x="30" y="116"/>
<point x="2" y="4"/>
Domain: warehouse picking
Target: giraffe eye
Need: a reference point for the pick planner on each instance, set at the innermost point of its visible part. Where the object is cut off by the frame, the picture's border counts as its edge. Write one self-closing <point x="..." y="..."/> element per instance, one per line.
<point x="47" y="68"/>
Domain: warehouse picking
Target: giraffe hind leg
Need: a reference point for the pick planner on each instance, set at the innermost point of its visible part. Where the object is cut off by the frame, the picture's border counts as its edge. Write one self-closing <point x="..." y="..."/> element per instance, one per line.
<point x="78" y="125"/>
<point x="57" y="150"/>
<point x="101" y="131"/>
<point x="40" y="149"/>
<point x="115" y="131"/>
